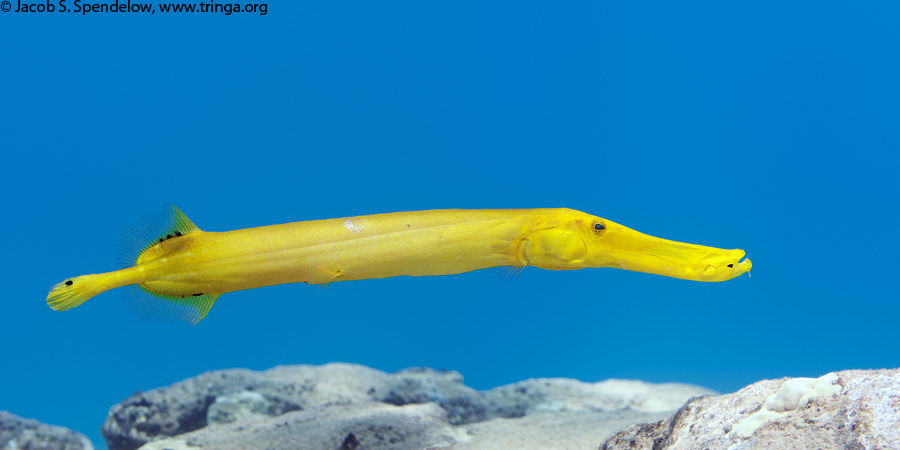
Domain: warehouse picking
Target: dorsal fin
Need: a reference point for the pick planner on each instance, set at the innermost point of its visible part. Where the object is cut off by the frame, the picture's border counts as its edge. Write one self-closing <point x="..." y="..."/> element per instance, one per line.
<point x="135" y="240"/>
<point x="150" y="230"/>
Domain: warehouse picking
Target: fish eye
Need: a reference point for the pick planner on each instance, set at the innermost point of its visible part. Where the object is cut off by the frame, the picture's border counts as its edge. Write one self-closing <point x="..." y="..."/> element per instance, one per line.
<point x="599" y="228"/>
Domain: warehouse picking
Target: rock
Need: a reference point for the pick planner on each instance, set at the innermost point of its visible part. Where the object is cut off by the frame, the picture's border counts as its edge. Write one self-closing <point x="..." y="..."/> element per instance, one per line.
<point x="218" y="408"/>
<point x="422" y="385"/>
<point x="376" y="426"/>
<point x="231" y="407"/>
<point x="848" y="410"/>
<point x="549" y="430"/>
<point x="560" y="413"/>
<point x="183" y="406"/>
<point x="18" y="433"/>
<point x="410" y="427"/>
<point x="564" y="394"/>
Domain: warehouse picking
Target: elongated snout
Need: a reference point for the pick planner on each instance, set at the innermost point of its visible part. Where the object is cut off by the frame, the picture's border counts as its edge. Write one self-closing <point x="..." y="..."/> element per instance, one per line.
<point x="622" y="247"/>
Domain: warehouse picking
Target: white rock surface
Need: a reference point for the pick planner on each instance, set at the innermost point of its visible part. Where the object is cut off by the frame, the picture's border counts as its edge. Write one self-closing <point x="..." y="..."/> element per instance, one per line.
<point x="231" y="407"/>
<point x="793" y="394"/>
<point x="848" y="410"/>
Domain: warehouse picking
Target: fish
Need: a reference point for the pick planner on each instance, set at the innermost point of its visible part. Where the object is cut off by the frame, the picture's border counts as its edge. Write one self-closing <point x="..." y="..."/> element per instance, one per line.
<point x="177" y="271"/>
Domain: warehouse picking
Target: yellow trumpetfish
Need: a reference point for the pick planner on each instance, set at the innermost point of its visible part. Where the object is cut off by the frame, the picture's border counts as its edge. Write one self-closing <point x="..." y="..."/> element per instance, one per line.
<point x="184" y="269"/>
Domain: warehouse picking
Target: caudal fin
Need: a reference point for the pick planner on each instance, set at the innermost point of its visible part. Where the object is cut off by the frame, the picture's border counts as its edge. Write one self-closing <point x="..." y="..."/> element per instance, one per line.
<point x="181" y="304"/>
<point x="71" y="293"/>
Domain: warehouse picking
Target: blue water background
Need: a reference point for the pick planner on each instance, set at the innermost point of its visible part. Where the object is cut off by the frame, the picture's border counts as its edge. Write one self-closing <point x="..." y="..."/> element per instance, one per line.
<point x="768" y="126"/>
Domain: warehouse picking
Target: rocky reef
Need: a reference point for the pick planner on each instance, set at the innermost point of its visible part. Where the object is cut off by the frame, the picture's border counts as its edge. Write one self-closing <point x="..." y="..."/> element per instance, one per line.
<point x="352" y="407"/>
<point x="346" y="406"/>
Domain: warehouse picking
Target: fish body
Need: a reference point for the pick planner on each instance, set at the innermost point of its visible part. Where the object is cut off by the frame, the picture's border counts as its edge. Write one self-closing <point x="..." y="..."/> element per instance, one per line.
<point x="184" y="269"/>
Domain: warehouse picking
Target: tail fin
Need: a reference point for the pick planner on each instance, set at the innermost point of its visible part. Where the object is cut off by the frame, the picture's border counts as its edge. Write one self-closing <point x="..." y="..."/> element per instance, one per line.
<point x="71" y="293"/>
<point x="186" y="305"/>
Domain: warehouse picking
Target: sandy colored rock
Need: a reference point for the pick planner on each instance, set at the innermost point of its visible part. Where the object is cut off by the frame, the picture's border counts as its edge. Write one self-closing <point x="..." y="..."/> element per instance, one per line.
<point x="853" y="409"/>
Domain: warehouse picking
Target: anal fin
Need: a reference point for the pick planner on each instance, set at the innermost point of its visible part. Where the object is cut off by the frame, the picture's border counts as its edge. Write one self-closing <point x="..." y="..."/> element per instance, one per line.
<point x="152" y="305"/>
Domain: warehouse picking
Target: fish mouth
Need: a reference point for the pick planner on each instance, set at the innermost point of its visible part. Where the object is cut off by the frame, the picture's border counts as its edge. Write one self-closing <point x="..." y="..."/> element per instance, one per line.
<point x="635" y="251"/>
<point x="693" y="262"/>
<point x="742" y="267"/>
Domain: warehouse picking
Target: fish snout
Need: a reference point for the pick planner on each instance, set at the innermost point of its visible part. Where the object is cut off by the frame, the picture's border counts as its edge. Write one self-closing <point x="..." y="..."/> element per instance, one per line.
<point x="726" y="267"/>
